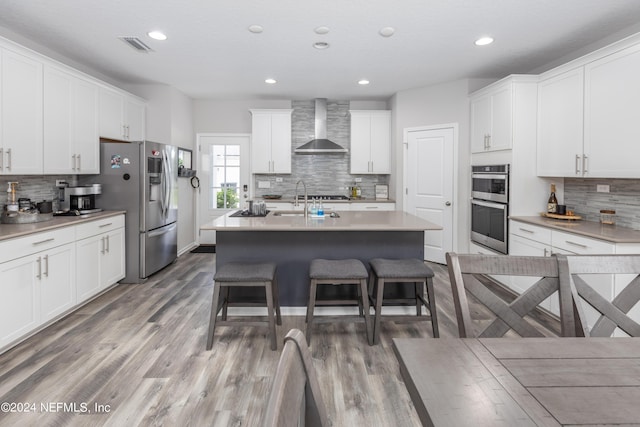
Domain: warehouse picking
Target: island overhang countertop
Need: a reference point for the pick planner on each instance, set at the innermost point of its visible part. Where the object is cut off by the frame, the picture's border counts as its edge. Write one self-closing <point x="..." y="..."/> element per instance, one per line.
<point x="346" y="221"/>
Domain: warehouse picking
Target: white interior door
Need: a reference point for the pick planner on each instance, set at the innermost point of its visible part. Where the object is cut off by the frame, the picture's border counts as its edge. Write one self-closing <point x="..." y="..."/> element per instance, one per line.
<point x="429" y="184"/>
<point x="225" y="177"/>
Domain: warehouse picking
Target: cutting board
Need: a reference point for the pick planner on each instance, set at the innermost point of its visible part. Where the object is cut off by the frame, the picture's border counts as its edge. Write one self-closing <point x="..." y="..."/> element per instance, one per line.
<point x="565" y="217"/>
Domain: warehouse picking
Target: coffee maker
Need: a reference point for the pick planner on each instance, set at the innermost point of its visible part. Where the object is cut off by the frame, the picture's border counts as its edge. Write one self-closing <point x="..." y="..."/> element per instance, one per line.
<point x="81" y="199"/>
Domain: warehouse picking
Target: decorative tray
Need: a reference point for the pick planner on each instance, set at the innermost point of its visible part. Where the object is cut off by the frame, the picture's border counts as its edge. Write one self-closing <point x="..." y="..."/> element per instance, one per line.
<point x="565" y="217"/>
<point x="272" y="196"/>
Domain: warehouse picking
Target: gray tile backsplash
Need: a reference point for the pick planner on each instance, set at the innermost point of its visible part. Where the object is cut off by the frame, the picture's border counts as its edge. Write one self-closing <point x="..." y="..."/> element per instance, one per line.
<point x="35" y="187"/>
<point x="322" y="173"/>
<point x="623" y="197"/>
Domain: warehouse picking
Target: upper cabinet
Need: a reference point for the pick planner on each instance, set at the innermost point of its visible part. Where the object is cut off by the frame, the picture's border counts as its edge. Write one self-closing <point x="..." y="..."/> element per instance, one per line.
<point x="560" y="123"/>
<point x="588" y="116"/>
<point x="271" y="141"/>
<point x="370" y="141"/>
<point x="491" y="119"/>
<point x="611" y="113"/>
<point x="71" y="144"/>
<point x="20" y="114"/>
<point x="122" y="116"/>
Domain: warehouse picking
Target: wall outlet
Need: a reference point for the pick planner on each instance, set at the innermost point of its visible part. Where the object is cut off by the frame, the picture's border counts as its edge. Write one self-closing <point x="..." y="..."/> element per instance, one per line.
<point x="602" y="188"/>
<point x="279" y="179"/>
<point x="264" y="184"/>
<point x="358" y="179"/>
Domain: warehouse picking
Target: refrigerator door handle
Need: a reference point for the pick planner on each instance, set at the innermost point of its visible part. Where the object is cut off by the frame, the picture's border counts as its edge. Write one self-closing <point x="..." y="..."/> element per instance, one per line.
<point x="162" y="230"/>
<point x="163" y="196"/>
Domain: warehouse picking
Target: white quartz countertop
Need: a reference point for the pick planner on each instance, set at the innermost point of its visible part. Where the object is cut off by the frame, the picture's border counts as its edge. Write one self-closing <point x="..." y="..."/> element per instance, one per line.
<point x="348" y="221"/>
<point x="353" y="200"/>
<point x="609" y="233"/>
<point x="10" y="231"/>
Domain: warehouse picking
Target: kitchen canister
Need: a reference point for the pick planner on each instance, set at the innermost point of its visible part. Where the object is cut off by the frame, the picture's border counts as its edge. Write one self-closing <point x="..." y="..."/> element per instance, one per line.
<point x="607" y="216"/>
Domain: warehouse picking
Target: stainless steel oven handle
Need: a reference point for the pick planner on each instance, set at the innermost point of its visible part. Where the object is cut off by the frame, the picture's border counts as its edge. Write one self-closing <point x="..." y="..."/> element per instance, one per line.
<point x="489" y="204"/>
<point x="489" y="176"/>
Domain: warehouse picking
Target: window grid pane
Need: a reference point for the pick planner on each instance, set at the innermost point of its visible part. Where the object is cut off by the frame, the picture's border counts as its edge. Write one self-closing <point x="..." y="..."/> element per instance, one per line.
<point x="225" y="177"/>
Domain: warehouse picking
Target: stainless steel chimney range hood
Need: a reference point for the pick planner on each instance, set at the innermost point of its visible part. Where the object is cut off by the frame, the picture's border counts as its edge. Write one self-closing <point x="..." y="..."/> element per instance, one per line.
<point x="320" y="145"/>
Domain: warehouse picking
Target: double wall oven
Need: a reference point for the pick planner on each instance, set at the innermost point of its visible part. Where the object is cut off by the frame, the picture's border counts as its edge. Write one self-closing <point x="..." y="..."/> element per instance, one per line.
<point x="490" y="206"/>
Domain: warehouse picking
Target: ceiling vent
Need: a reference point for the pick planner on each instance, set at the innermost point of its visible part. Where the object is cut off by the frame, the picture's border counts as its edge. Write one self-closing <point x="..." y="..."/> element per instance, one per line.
<point x="136" y="43"/>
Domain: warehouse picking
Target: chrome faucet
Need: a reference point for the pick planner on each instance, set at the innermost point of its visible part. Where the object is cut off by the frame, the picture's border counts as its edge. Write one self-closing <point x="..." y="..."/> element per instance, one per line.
<point x="296" y="203"/>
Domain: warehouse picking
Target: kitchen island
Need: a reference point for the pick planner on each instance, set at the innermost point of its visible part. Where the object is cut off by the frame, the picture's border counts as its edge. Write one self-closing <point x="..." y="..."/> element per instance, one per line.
<point x="292" y="240"/>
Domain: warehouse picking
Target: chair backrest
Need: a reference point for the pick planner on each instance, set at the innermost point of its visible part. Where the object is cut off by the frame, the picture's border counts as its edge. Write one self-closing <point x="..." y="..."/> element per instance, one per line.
<point x="611" y="314"/>
<point x="472" y="273"/>
<point x="295" y="397"/>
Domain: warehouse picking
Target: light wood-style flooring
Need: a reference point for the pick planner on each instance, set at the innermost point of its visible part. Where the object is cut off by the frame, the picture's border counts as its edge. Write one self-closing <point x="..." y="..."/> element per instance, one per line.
<point x="136" y="356"/>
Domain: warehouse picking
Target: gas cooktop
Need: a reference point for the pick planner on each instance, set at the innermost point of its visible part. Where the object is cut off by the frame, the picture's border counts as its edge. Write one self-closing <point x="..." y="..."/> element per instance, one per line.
<point x="323" y="197"/>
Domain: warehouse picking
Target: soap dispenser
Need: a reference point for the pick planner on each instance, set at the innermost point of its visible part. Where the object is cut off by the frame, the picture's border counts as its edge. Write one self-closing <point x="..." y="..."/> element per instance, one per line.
<point x="12" y="204"/>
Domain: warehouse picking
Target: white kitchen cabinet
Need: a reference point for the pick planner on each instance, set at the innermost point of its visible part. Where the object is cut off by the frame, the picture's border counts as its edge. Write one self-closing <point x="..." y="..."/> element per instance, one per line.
<point x="491" y="118"/>
<point x="21" y="107"/>
<point x="122" y="117"/>
<point x="35" y="287"/>
<point x="527" y="239"/>
<point x="370" y="142"/>
<point x="271" y="141"/>
<point x="560" y="150"/>
<point x="71" y="142"/>
<point x="100" y="255"/>
<point x="611" y="112"/>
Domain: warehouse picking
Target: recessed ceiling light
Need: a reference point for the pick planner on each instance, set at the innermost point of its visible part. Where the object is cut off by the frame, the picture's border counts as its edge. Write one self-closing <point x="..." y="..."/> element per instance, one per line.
<point x="157" y="35"/>
<point x="321" y="30"/>
<point x="483" y="41"/>
<point x="387" y="31"/>
<point x="363" y="82"/>
<point x="256" y="29"/>
<point x="321" y="45"/>
<point x="270" y="81"/>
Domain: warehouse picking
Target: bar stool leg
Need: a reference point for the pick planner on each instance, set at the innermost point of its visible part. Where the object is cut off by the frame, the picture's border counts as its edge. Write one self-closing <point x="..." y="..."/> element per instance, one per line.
<point x="270" y="315"/>
<point x="214" y="313"/>
<point x="310" y="308"/>
<point x="276" y="300"/>
<point x="432" y="307"/>
<point x="376" y="326"/>
<point x="225" y="303"/>
<point x="364" y="303"/>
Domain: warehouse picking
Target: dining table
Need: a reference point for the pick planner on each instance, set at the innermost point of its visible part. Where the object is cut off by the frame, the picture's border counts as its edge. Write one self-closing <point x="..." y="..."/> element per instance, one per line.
<point x="522" y="381"/>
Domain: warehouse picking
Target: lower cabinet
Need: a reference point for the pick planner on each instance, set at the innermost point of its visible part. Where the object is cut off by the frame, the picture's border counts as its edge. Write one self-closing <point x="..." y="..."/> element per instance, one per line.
<point x="44" y="275"/>
<point x="526" y="239"/>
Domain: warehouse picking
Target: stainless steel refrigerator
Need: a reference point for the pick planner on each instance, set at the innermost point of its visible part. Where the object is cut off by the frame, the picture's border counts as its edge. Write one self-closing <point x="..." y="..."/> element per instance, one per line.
<point x="142" y="178"/>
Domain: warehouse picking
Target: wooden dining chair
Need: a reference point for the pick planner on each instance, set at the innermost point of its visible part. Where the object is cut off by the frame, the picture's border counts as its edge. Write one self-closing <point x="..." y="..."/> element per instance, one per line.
<point x="472" y="273"/>
<point x="576" y="271"/>
<point x="295" y="397"/>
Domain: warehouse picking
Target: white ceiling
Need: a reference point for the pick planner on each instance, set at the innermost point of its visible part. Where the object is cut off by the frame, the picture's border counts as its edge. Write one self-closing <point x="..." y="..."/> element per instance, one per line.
<point x="211" y="54"/>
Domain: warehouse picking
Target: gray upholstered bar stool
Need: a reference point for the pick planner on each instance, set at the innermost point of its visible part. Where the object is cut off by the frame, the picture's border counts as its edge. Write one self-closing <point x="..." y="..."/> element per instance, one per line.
<point x="402" y="271"/>
<point x="339" y="272"/>
<point x="238" y="274"/>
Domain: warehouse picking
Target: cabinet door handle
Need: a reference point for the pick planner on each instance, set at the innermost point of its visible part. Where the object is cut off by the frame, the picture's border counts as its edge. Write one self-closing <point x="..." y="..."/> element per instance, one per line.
<point x="488" y="141"/>
<point x="1" y="159"/>
<point x="585" y="164"/>
<point x="102" y="245"/>
<point x="545" y="251"/>
<point x="39" y="261"/>
<point x="105" y="225"/>
<point x="73" y="162"/>
<point x="577" y="164"/>
<point x="43" y="241"/>
<point x="46" y="265"/>
<point x="569" y="242"/>
<point x="124" y="131"/>
<point x="371" y="207"/>
<point x="8" y="158"/>
<point x="79" y="162"/>
<point x="526" y="231"/>
<point x="108" y="243"/>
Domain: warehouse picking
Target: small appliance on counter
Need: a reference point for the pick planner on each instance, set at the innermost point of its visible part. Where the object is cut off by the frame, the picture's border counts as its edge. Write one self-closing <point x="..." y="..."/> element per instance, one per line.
<point x="22" y="211"/>
<point x="80" y="200"/>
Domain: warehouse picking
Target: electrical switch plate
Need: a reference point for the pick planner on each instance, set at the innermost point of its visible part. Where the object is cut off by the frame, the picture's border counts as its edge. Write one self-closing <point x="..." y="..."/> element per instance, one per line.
<point x="264" y="184"/>
<point x="279" y="179"/>
<point x="602" y="188"/>
<point x="358" y="179"/>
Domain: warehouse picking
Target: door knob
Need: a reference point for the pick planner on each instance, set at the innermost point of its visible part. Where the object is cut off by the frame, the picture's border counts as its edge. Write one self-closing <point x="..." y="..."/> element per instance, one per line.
<point x="447" y="203"/>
